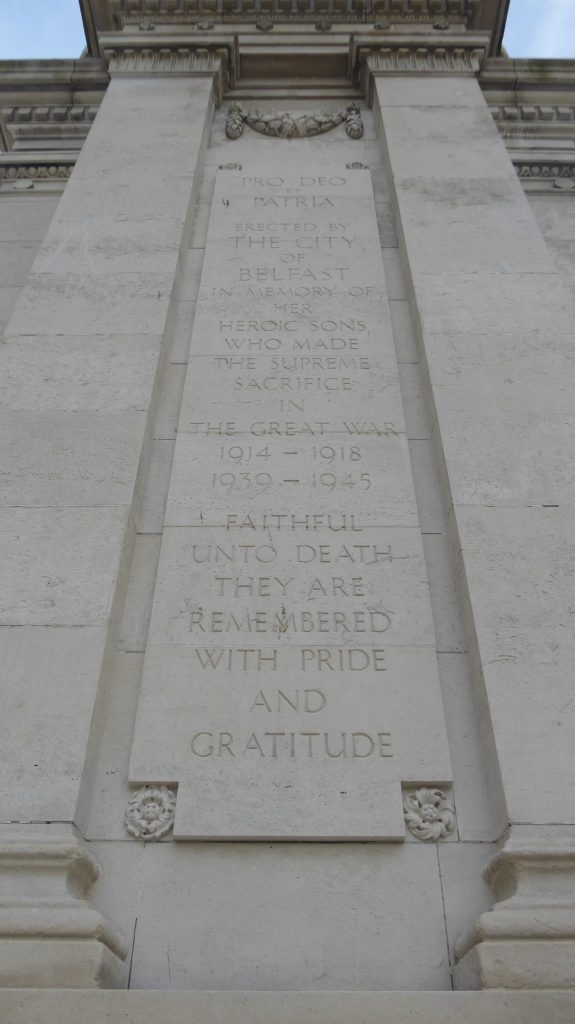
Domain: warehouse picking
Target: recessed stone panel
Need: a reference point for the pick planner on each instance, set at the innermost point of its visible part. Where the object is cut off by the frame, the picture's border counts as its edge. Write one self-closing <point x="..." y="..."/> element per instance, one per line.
<point x="290" y="682"/>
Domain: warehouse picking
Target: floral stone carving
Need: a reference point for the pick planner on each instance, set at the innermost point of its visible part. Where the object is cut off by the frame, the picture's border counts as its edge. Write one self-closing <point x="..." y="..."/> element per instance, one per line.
<point x="293" y="126"/>
<point x="150" y="812"/>
<point x="429" y="815"/>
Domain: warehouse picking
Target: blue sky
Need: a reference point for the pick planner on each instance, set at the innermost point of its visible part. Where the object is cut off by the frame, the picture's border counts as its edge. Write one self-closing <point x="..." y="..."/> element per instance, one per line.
<point x="541" y="28"/>
<point x="53" y="28"/>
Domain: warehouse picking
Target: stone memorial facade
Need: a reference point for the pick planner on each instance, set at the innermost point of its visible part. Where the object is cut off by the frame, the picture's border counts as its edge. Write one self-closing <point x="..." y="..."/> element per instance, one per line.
<point x="287" y="536"/>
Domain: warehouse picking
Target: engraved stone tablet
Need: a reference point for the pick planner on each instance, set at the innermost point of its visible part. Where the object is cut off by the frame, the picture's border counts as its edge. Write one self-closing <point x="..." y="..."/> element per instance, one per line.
<point x="290" y="684"/>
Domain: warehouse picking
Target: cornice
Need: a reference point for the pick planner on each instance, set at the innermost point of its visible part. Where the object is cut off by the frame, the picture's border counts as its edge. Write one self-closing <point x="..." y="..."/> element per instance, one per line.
<point x="531" y="100"/>
<point x="87" y="74"/>
<point x="126" y="13"/>
<point x="527" y="73"/>
<point x="24" y="125"/>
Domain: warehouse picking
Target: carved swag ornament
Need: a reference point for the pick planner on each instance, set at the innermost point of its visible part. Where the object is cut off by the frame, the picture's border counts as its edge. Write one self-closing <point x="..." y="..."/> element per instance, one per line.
<point x="293" y="126"/>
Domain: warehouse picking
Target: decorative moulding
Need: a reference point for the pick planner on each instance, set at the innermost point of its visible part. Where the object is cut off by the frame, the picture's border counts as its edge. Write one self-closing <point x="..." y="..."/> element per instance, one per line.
<point x="150" y="813"/>
<point x="163" y="58"/>
<point x="411" y="58"/>
<point x="49" y="935"/>
<point x="18" y="168"/>
<point x="24" y="126"/>
<point x="528" y="939"/>
<point x="533" y="113"/>
<point x="284" y="125"/>
<point x="545" y="174"/>
<point x="460" y="12"/>
<point x="539" y="169"/>
<point x="429" y="814"/>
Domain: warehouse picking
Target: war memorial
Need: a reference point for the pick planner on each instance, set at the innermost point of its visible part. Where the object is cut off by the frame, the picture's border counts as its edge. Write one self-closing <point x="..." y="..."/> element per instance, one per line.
<point x="287" y="544"/>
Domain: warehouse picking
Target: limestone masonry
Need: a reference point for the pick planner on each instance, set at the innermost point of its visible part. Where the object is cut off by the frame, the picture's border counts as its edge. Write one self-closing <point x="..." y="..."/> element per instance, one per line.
<point x="287" y="539"/>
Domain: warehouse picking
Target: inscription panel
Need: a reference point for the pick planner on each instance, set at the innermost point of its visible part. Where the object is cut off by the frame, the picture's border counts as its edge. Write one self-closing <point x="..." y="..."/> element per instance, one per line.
<point x="290" y="681"/>
<point x="309" y="586"/>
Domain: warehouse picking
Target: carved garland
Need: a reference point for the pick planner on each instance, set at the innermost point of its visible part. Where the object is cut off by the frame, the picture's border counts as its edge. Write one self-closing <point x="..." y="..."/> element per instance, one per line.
<point x="293" y="126"/>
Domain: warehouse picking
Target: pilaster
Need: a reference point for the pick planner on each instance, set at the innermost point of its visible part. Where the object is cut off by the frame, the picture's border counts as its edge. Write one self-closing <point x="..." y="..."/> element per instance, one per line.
<point x="494" y="325"/>
<point x="81" y="362"/>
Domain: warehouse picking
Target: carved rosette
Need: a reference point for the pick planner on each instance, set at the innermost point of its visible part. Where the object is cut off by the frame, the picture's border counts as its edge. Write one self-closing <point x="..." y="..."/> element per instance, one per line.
<point x="284" y="125"/>
<point x="429" y="815"/>
<point x="150" y="812"/>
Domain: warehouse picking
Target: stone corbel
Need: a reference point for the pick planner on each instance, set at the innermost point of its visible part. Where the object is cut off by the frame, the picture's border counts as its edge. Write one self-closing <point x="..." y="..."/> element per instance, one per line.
<point x="528" y="940"/>
<point x="50" y="937"/>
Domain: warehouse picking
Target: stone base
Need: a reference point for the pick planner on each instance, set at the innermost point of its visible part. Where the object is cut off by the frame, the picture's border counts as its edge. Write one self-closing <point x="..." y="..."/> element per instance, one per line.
<point x="57" y="963"/>
<point x="149" y="1007"/>
<point x="50" y="936"/>
<point x="528" y="939"/>
<point x="547" y="964"/>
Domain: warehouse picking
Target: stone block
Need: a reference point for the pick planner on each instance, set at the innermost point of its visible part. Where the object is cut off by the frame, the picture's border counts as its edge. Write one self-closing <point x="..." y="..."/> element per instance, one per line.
<point x="16" y="258"/>
<point x="8" y="298"/>
<point x="65" y="459"/>
<point x="106" y="373"/>
<point x="411" y="130"/>
<point x="50" y="679"/>
<point x="93" y="304"/>
<point x="105" y="245"/>
<point x="65" y="572"/>
<point x="482" y="226"/>
<point x="454" y="303"/>
<point x="25" y="220"/>
<point x="348" y="920"/>
<point x="428" y="91"/>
